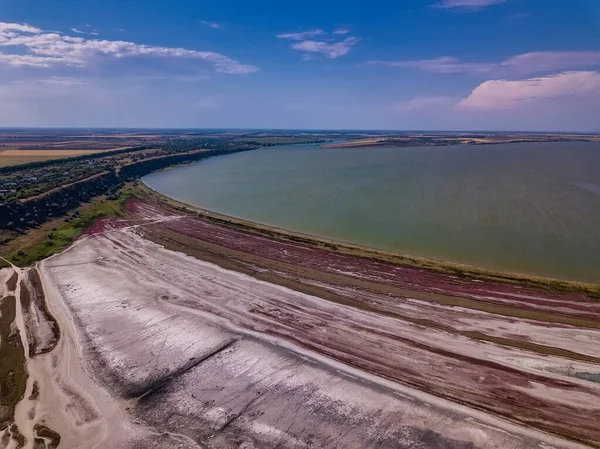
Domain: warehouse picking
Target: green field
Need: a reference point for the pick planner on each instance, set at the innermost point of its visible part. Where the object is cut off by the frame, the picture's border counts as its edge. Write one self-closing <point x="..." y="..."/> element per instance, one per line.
<point x="43" y="245"/>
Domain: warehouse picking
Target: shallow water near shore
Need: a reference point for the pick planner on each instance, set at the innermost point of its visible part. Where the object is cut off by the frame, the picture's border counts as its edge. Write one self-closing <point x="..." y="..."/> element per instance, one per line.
<point x="532" y="208"/>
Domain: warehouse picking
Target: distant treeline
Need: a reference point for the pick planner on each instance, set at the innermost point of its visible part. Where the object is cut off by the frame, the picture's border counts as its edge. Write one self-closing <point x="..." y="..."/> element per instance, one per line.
<point x="135" y="170"/>
<point x="58" y="202"/>
<point x="37" y="210"/>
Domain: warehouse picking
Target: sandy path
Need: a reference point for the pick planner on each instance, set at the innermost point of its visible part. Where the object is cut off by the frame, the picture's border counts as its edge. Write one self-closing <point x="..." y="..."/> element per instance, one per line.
<point x="22" y="418"/>
<point x="60" y="394"/>
<point x="71" y="401"/>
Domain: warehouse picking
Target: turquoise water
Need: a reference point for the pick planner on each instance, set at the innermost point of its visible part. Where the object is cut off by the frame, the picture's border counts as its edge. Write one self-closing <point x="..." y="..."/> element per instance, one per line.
<point x="532" y="208"/>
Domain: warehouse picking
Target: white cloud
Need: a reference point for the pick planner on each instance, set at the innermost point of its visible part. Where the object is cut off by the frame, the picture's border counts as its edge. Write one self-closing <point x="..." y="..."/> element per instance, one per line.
<point x="466" y="4"/>
<point x="213" y="25"/>
<point x="502" y="94"/>
<point x="525" y="64"/>
<point x="302" y="35"/>
<point x="28" y="60"/>
<point x="569" y="101"/>
<point x="330" y="50"/>
<point x="329" y="45"/>
<point x="550" y="61"/>
<point x="18" y="28"/>
<point x="45" y="49"/>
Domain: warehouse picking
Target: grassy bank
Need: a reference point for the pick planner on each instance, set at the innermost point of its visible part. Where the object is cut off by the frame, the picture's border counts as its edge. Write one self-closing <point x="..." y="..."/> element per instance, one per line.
<point x="40" y="243"/>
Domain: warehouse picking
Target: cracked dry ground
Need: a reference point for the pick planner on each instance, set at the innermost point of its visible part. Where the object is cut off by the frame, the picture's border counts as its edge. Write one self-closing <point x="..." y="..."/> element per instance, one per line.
<point x="184" y="333"/>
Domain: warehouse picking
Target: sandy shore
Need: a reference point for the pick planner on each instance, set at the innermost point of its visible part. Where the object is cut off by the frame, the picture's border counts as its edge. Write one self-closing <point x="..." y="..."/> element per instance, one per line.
<point x="178" y="331"/>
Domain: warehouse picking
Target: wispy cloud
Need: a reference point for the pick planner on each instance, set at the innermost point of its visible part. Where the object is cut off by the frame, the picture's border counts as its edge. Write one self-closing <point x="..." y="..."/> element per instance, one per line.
<point x="525" y="64"/>
<point x="329" y="46"/>
<point x="502" y="94"/>
<point x="78" y="31"/>
<point x="51" y="81"/>
<point x="341" y="31"/>
<point x="302" y="35"/>
<point x="466" y="4"/>
<point x="425" y="104"/>
<point x="444" y="64"/>
<point x="213" y="25"/>
<point x="47" y="49"/>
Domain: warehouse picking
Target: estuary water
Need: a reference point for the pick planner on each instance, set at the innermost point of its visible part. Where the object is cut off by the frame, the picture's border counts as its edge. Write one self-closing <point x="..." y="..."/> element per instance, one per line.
<point x="531" y="208"/>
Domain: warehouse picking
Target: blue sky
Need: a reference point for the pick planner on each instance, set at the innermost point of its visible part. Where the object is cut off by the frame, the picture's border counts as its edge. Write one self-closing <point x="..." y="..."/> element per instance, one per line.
<point x="403" y="64"/>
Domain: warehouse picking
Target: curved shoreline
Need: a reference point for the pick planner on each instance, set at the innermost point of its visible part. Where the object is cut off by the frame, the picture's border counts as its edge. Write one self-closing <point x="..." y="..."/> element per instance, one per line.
<point x="406" y="260"/>
<point x="169" y="305"/>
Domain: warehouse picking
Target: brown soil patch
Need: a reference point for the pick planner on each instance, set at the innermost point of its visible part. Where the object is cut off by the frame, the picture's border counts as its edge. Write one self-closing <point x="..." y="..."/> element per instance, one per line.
<point x="11" y="284"/>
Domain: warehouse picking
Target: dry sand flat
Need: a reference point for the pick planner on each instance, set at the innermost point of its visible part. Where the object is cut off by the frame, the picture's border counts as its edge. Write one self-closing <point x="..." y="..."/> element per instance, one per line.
<point x="165" y="350"/>
<point x="61" y="405"/>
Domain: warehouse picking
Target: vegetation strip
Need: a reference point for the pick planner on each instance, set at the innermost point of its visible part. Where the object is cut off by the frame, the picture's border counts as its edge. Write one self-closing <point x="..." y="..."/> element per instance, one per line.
<point x="60" y="237"/>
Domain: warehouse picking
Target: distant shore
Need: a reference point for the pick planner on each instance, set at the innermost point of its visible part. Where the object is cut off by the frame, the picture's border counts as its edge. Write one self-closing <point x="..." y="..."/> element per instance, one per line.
<point x="411" y="140"/>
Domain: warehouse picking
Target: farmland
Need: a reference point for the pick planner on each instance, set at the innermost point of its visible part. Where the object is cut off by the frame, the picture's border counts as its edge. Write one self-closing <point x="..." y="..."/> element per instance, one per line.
<point x="20" y="156"/>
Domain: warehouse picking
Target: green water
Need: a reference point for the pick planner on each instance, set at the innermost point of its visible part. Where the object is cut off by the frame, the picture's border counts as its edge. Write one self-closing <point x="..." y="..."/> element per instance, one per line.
<point x="532" y="208"/>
